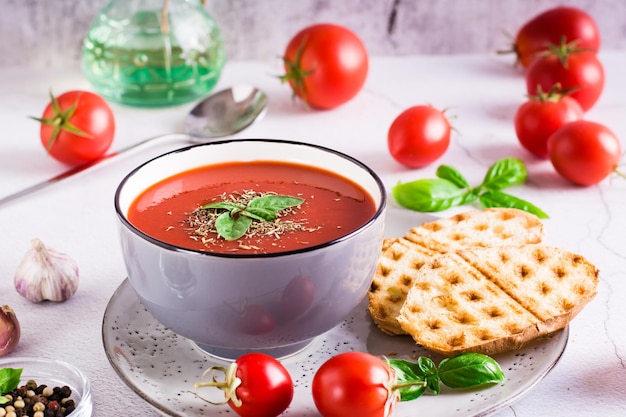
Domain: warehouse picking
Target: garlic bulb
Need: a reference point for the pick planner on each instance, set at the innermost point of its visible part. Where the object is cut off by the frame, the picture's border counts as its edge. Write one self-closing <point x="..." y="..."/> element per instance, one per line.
<point x="9" y="330"/>
<point x="46" y="274"/>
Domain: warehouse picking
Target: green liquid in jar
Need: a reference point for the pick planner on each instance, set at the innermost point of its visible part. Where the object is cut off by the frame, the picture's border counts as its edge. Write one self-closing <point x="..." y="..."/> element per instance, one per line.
<point x="129" y="60"/>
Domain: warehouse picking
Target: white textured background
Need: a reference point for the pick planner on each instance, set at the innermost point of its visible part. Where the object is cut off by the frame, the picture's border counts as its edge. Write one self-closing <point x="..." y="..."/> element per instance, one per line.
<point x="49" y="32"/>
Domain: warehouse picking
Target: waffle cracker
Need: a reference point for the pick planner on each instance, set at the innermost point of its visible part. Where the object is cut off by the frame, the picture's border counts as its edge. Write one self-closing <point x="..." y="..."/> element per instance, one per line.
<point x="492" y="300"/>
<point x="401" y="258"/>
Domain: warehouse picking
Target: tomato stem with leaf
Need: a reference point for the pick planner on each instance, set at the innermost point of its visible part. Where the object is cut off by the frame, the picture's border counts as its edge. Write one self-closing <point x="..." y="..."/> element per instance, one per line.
<point x="76" y="127"/>
<point x="295" y="74"/>
<point x="60" y="120"/>
<point x="229" y="385"/>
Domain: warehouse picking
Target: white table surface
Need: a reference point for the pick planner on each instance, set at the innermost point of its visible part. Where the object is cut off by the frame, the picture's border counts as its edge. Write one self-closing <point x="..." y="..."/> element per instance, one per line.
<point x="481" y="93"/>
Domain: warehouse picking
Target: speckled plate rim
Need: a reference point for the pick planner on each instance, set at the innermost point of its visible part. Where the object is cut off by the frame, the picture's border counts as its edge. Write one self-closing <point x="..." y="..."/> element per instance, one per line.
<point x="524" y="369"/>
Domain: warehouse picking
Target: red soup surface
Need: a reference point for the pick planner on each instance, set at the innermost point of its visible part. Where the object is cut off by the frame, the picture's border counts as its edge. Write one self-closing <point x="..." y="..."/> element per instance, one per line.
<point x="171" y="211"/>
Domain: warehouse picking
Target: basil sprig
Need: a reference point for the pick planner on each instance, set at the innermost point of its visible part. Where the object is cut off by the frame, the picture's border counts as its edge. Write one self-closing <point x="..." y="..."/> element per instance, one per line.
<point x="237" y="219"/>
<point x="9" y="380"/>
<point x="462" y="371"/>
<point x="450" y="188"/>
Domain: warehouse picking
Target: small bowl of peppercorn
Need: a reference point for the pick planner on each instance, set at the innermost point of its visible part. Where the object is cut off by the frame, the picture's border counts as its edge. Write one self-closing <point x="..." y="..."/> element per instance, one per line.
<point x="43" y="387"/>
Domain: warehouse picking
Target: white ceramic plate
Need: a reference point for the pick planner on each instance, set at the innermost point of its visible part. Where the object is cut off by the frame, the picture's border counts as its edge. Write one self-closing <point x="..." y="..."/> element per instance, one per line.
<point x="162" y="367"/>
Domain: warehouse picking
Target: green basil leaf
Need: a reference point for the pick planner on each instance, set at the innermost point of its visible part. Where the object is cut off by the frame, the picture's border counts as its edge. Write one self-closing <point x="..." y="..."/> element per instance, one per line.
<point x="447" y="172"/>
<point x="429" y="369"/>
<point x="470" y="370"/>
<point x="224" y="205"/>
<point x="9" y="379"/>
<point x="232" y="228"/>
<point x="500" y="199"/>
<point x="275" y="202"/>
<point x="409" y="378"/>
<point x="259" y="213"/>
<point x="428" y="195"/>
<point x="505" y="173"/>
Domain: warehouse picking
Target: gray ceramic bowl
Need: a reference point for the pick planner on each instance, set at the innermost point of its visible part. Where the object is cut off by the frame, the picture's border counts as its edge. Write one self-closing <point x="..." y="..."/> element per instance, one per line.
<point x="194" y="293"/>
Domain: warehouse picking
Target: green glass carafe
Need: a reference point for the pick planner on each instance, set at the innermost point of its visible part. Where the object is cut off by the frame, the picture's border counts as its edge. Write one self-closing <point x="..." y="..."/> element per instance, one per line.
<point x="153" y="53"/>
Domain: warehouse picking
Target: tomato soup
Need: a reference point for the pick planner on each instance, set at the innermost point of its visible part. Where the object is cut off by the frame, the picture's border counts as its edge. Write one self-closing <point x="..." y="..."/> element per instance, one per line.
<point x="332" y="206"/>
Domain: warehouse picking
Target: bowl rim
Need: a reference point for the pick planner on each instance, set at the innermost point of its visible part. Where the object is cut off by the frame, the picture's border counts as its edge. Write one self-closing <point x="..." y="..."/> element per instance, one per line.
<point x="173" y="248"/>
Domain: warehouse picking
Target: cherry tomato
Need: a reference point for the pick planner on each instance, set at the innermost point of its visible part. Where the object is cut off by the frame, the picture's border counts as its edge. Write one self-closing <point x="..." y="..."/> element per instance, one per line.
<point x="77" y="127"/>
<point x="353" y="384"/>
<point x="541" y="116"/>
<point x="297" y="296"/>
<point x="255" y="385"/>
<point x="326" y="65"/>
<point x="550" y="27"/>
<point x="419" y="136"/>
<point x="255" y="319"/>
<point x="572" y="68"/>
<point x="584" y="152"/>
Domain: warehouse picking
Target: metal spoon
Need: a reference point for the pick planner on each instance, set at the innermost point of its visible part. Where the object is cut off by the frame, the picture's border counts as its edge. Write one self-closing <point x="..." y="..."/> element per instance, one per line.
<point x="221" y="114"/>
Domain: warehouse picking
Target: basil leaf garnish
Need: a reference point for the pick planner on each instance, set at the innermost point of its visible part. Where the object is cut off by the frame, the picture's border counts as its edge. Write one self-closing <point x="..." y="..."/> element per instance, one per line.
<point x="500" y="199"/>
<point x="235" y="222"/>
<point x="275" y="202"/>
<point x="450" y="188"/>
<point x="430" y="371"/>
<point x="428" y="195"/>
<point x="505" y="173"/>
<point x="259" y="213"/>
<point x="470" y="370"/>
<point x="226" y="205"/>
<point x="410" y="379"/>
<point x="232" y="228"/>
<point x="9" y="380"/>
<point x="447" y="172"/>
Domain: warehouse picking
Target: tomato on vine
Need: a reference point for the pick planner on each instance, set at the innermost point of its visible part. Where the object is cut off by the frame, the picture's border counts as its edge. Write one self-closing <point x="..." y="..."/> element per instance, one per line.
<point x="540" y="116"/>
<point x="419" y="136"/>
<point x="364" y="385"/>
<point x="254" y="385"/>
<point x="326" y="65"/>
<point x="574" y="68"/>
<point x="354" y="384"/>
<point x="584" y="152"/>
<point x="77" y="127"/>
<point x="550" y="27"/>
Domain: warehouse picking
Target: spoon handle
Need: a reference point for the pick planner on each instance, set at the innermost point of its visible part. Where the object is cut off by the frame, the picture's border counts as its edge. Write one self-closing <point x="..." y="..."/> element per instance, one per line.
<point x="80" y="168"/>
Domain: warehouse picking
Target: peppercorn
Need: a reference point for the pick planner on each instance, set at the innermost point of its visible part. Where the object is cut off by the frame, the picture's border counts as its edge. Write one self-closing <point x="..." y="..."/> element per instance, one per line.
<point x="32" y="400"/>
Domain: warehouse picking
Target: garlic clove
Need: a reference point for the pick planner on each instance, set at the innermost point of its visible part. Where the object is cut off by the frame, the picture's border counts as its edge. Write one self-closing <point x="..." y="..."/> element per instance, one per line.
<point x="46" y="274"/>
<point x="9" y="330"/>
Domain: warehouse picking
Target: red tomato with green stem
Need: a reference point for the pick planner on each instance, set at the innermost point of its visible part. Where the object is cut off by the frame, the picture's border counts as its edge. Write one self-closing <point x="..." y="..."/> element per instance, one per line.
<point x="573" y="68"/>
<point x="551" y="27"/>
<point x="326" y="65"/>
<point x="354" y="384"/>
<point x="254" y="385"/>
<point x="419" y="136"/>
<point x="77" y="127"/>
<point x="584" y="152"/>
<point x="541" y="116"/>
